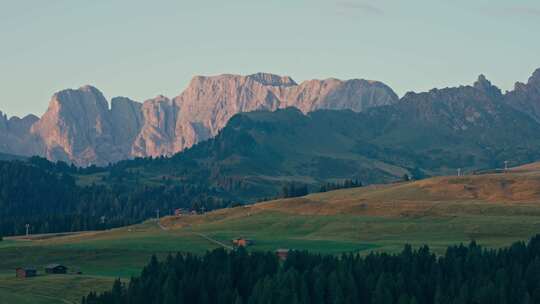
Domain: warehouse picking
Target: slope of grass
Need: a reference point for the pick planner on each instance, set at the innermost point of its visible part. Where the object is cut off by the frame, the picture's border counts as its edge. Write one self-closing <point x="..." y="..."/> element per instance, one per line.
<point x="494" y="210"/>
<point x="50" y="289"/>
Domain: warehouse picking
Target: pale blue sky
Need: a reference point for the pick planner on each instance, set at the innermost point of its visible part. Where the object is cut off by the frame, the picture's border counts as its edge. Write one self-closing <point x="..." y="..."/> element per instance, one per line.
<point x="143" y="48"/>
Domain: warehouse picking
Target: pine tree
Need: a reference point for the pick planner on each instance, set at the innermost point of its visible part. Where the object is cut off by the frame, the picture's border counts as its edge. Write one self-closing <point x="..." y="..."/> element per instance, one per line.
<point x="170" y="288"/>
<point x="382" y="293"/>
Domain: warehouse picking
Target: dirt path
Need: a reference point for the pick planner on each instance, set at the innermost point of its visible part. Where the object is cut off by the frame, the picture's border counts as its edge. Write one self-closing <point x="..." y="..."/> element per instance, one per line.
<point x="213" y="241"/>
<point x="164" y="228"/>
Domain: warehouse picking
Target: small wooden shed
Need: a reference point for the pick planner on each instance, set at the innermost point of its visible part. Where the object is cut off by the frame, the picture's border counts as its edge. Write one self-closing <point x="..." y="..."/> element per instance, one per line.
<point x="25" y="272"/>
<point x="242" y="242"/>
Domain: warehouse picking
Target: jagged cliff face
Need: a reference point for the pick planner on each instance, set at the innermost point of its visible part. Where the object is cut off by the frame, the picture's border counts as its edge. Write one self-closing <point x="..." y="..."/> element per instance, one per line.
<point x="79" y="127"/>
<point x="209" y="102"/>
<point x="15" y="137"/>
<point x="526" y="97"/>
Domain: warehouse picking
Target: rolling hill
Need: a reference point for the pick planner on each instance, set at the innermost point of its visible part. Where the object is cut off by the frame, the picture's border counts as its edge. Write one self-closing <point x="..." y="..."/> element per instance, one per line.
<point x="493" y="209"/>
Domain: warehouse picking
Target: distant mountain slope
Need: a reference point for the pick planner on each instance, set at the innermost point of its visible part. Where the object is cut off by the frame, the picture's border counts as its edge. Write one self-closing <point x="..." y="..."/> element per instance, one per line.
<point x="426" y="134"/>
<point x="79" y="127"/>
<point x="440" y="196"/>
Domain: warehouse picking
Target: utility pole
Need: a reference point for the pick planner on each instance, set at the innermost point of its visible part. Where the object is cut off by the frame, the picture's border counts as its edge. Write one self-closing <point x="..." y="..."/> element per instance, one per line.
<point x="27" y="230"/>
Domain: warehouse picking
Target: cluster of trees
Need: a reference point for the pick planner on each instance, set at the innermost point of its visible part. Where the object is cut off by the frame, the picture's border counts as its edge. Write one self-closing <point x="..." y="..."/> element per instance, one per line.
<point x="47" y="196"/>
<point x="348" y="183"/>
<point x="464" y="274"/>
<point x="294" y="190"/>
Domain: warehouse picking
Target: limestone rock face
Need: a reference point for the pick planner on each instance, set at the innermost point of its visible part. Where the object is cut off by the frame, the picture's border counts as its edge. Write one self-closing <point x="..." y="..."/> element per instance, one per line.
<point x="76" y="127"/>
<point x="209" y="102"/>
<point x="156" y="136"/>
<point x="79" y="127"/>
<point x="126" y="120"/>
<point x="335" y="94"/>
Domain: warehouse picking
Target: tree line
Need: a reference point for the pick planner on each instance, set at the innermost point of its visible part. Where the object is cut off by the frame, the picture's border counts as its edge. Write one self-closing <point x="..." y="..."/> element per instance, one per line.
<point x="463" y="275"/>
<point x="346" y="184"/>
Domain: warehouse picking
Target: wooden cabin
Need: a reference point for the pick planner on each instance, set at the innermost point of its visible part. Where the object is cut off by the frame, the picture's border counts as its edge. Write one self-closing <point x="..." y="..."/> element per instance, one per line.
<point x="25" y="272"/>
<point x="55" y="269"/>
<point x="282" y="253"/>
<point x="242" y="242"/>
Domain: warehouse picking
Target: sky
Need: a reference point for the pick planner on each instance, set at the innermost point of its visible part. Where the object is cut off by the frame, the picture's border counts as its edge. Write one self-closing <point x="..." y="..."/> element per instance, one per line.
<point x="141" y="49"/>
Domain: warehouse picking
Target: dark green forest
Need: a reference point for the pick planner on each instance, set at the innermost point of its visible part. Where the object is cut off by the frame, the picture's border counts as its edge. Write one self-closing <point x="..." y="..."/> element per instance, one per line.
<point x="464" y="274"/>
<point x="47" y="196"/>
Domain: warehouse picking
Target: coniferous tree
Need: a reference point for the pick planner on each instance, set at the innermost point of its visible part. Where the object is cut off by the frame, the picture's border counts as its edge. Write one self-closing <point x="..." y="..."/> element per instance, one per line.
<point x="463" y="275"/>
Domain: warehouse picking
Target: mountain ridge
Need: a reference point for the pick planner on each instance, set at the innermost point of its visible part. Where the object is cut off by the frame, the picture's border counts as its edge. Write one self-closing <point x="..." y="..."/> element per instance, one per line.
<point x="82" y="127"/>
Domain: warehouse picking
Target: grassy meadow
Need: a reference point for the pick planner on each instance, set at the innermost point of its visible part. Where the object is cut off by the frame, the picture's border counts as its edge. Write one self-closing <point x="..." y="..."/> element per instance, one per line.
<point x="494" y="210"/>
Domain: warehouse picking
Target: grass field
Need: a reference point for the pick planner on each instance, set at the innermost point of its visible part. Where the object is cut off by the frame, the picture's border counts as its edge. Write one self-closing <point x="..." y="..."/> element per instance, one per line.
<point x="494" y="210"/>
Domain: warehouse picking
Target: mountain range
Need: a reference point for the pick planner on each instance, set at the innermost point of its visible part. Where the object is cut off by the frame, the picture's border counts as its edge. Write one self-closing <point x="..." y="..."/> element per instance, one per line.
<point x="80" y="127"/>
<point x="474" y="127"/>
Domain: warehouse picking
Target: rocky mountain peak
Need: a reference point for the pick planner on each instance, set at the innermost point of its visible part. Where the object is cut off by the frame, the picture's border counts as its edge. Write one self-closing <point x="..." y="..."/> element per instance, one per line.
<point x="3" y="122"/>
<point x="482" y="82"/>
<point x="82" y="99"/>
<point x="526" y="96"/>
<point x="268" y="79"/>
<point x="484" y="85"/>
<point x="535" y="78"/>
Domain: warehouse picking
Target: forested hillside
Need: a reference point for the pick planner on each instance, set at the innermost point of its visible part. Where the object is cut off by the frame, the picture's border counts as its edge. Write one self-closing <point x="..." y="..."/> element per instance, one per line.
<point x="465" y="274"/>
<point x="47" y="196"/>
